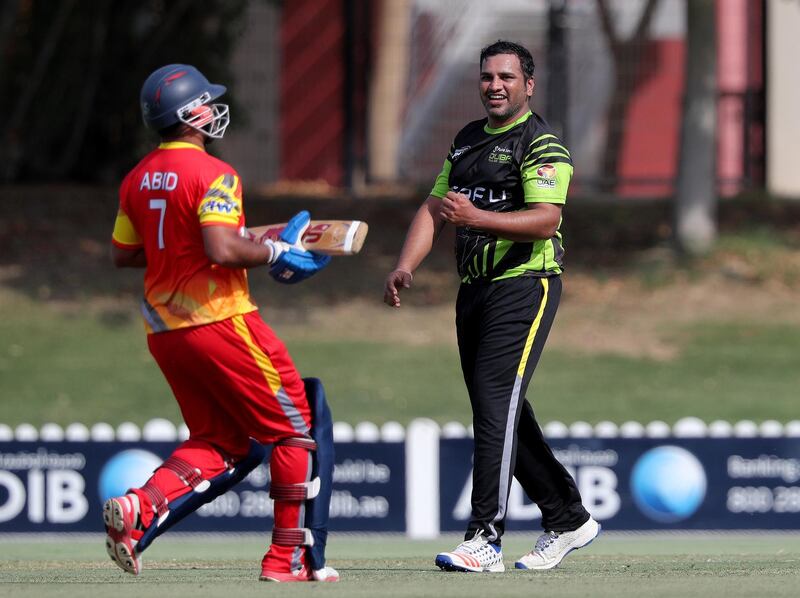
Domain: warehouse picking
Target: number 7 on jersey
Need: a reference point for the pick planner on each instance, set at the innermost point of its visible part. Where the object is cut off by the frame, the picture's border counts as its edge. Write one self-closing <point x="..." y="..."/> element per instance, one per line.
<point x="161" y="206"/>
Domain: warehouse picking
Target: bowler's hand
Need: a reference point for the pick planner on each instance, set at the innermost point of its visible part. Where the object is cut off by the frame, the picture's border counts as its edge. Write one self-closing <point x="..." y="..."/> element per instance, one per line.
<point x="397" y="279"/>
<point x="458" y="209"/>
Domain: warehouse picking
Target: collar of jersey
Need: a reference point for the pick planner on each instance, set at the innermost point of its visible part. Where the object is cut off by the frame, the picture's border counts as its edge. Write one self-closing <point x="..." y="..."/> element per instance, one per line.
<point x="521" y="119"/>
<point x="168" y="145"/>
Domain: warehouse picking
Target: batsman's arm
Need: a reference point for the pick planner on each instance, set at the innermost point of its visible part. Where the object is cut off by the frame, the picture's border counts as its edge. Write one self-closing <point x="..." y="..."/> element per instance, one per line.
<point x="421" y="235"/>
<point x="224" y="246"/>
<point x="127" y="250"/>
<point x="128" y="258"/>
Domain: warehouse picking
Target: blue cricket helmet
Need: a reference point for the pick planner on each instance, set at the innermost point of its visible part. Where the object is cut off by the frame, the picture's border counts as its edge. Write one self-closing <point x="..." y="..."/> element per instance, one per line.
<point x="180" y="93"/>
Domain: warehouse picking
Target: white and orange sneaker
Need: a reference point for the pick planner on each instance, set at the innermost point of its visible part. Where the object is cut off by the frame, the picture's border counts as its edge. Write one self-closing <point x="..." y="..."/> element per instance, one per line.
<point x="121" y="518"/>
<point x="476" y="555"/>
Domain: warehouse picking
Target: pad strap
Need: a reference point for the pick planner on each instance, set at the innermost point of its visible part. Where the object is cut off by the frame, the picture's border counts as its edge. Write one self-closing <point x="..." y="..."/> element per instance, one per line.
<point x="292" y="536"/>
<point x="186" y="473"/>
<point x="299" y="442"/>
<point x="301" y="491"/>
<point x="157" y="498"/>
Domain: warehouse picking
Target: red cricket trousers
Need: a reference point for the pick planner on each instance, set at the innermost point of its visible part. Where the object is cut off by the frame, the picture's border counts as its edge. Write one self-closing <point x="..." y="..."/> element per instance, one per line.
<point x="234" y="380"/>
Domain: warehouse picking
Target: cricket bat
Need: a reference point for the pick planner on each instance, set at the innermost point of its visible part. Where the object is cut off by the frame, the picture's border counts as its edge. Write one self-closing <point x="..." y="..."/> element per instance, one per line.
<point x="333" y="237"/>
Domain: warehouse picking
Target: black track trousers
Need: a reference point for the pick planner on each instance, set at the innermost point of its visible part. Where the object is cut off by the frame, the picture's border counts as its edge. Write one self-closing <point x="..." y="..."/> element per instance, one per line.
<point x="502" y="328"/>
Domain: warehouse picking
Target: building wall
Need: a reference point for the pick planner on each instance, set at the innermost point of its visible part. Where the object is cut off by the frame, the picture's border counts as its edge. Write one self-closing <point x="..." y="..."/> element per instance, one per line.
<point x="783" y="98"/>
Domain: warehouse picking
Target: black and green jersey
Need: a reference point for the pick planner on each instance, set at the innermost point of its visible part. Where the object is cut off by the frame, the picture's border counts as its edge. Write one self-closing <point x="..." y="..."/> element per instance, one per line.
<point x="502" y="170"/>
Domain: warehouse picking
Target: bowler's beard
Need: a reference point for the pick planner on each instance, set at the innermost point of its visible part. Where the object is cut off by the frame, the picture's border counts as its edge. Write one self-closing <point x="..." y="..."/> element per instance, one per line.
<point x="506" y="114"/>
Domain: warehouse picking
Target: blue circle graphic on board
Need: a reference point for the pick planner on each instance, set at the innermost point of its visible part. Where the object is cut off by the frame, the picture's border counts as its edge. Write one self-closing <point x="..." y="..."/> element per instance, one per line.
<point x="128" y="469"/>
<point x="668" y="484"/>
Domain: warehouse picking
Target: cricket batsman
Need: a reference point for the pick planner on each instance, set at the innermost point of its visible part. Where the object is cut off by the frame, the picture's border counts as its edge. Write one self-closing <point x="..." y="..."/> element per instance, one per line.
<point x="244" y="402"/>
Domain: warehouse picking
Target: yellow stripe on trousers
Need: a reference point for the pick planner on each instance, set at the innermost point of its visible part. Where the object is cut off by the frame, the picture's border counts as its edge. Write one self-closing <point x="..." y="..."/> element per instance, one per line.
<point x="262" y="360"/>
<point x="534" y="329"/>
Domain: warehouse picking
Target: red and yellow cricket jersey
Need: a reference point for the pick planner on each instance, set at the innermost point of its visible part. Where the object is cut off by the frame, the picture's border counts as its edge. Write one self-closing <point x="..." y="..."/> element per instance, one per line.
<point x="163" y="204"/>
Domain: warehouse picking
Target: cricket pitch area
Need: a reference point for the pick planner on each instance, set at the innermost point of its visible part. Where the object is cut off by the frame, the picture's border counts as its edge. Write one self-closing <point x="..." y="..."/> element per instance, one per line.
<point x="616" y="564"/>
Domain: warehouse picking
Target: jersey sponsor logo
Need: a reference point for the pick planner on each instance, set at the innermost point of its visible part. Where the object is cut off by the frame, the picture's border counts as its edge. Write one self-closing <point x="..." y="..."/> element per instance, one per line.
<point x="498" y="158"/>
<point x="547" y="176"/>
<point x="500" y="155"/>
<point x="159" y="181"/>
<point x="480" y="193"/>
<point x="547" y="171"/>
<point x="459" y="151"/>
<point x="219" y="206"/>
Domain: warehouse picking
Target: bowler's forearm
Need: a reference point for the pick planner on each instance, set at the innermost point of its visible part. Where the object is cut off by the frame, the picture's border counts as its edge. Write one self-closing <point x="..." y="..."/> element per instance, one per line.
<point x="539" y="222"/>
<point x="421" y="235"/>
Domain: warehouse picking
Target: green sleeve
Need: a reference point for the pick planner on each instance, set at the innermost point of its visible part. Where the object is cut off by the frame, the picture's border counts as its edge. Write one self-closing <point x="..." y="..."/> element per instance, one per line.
<point x="546" y="182"/>
<point x="546" y="170"/>
<point x="442" y="184"/>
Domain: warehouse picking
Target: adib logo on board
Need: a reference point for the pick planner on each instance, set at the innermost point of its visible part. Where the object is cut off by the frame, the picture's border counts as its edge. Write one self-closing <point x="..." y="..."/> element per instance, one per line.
<point x="127" y="469"/>
<point x="668" y="484"/>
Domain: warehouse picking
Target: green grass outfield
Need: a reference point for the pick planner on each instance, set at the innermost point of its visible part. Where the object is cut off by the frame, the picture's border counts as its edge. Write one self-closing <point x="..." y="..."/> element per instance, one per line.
<point x="63" y="367"/>
<point x="643" y="338"/>
<point x="618" y="565"/>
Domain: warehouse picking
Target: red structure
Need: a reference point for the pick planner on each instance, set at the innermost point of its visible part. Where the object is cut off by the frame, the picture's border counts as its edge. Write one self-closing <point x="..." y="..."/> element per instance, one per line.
<point x="312" y="111"/>
<point x="653" y="123"/>
<point x="649" y="154"/>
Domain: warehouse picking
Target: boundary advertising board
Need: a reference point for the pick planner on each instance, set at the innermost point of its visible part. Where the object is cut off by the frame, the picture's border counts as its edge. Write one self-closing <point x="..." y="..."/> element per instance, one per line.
<point x="422" y="486"/>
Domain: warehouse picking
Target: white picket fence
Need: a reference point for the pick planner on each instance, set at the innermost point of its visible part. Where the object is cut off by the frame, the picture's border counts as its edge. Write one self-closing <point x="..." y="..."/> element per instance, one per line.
<point x="165" y="431"/>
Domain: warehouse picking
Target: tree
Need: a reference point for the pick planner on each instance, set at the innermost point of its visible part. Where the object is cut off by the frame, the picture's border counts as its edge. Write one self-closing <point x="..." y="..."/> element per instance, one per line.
<point x="695" y="201"/>
<point x="627" y="57"/>
<point x="72" y="72"/>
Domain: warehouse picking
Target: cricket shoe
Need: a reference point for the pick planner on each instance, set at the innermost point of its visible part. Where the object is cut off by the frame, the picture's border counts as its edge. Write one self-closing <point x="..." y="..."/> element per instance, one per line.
<point x="121" y="518"/>
<point x="476" y="555"/>
<point x="302" y="574"/>
<point x="551" y="547"/>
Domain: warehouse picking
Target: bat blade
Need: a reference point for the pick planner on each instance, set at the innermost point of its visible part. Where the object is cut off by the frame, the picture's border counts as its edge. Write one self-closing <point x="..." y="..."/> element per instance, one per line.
<point x="332" y="237"/>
